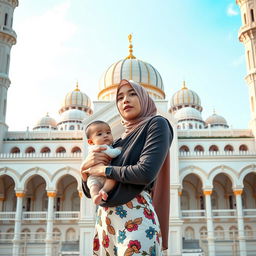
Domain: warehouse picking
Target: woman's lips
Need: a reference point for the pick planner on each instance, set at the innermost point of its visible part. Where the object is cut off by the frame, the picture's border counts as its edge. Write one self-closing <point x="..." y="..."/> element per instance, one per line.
<point x="127" y="107"/>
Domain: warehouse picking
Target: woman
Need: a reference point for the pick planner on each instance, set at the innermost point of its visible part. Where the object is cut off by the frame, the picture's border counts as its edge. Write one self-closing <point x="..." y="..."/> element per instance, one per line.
<point x="127" y="223"/>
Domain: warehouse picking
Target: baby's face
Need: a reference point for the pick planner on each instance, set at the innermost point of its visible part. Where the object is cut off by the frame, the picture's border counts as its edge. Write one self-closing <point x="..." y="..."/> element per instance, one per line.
<point x="101" y="134"/>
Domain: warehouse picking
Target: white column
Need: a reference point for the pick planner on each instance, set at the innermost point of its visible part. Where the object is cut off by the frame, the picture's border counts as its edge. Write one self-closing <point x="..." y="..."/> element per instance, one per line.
<point x="240" y="222"/>
<point x="49" y="229"/>
<point x="17" y="228"/>
<point x="210" y="229"/>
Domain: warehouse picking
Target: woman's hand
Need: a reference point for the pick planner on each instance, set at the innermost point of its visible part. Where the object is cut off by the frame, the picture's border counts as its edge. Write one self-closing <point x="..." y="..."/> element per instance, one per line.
<point x="98" y="170"/>
<point x="95" y="157"/>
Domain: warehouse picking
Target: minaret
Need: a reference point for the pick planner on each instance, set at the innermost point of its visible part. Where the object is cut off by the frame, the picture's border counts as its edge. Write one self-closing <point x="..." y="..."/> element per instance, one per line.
<point x="247" y="35"/>
<point x="7" y="40"/>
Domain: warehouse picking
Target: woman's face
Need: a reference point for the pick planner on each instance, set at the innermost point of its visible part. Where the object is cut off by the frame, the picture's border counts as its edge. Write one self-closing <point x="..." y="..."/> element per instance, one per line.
<point x="128" y="103"/>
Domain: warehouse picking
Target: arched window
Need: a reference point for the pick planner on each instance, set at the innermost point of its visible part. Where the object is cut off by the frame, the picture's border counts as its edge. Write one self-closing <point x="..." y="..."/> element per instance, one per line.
<point x="243" y="147"/>
<point x="252" y="103"/>
<point x="15" y="150"/>
<point x="60" y="150"/>
<point x="248" y="232"/>
<point x="249" y="59"/>
<point x="203" y="232"/>
<point x="184" y="148"/>
<point x="75" y="201"/>
<point x="213" y="148"/>
<point x="56" y="234"/>
<point x="219" y="233"/>
<point x="25" y="234"/>
<point x="71" y="127"/>
<point x="252" y="15"/>
<point x="189" y="233"/>
<point x="199" y="148"/>
<point x="178" y="127"/>
<point x="4" y="109"/>
<point x="40" y="235"/>
<point x="7" y="64"/>
<point x="5" y="19"/>
<point x="30" y="150"/>
<point x="45" y="150"/>
<point x="9" y="234"/>
<point x="233" y="233"/>
<point x="229" y="148"/>
<point x="190" y="126"/>
<point x="76" y="150"/>
<point x="70" y="235"/>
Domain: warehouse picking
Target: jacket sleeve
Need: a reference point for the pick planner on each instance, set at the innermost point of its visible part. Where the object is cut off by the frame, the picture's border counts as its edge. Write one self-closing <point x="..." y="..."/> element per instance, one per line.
<point x="158" y="140"/>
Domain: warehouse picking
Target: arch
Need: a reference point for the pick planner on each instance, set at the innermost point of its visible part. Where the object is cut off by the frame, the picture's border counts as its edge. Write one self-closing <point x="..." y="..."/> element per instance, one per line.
<point x="60" y="150"/>
<point x="229" y="148"/>
<point x="45" y="150"/>
<point x="226" y="171"/>
<point x="199" y="148"/>
<point x="233" y="232"/>
<point x="66" y="171"/>
<point x="184" y="148"/>
<point x="56" y="234"/>
<point x="193" y="170"/>
<point x="219" y="233"/>
<point x="70" y="234"/>
<point x="248" y="232"/>
<point x="189" y="233"/>
<point x="35" y="171"/>
<point x="13" y="174"/>
<point x="5" y="19"/>
<point x="76" y="150"/>
<point x="30" y="150"/>
<point x="15" y="150"/>
<point x="246" y="170"/>
<point x="40" y="235"/>
<point x="203" y="232"/>
<point x="213" y="148"/>
<point x="243" y="147"/>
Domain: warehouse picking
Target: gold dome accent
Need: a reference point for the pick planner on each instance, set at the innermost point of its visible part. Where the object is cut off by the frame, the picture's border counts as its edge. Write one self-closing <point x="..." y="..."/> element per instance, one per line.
<point x="184" y="85"/>
<point x="130" y="56"/>
<point x="77" y="88"/>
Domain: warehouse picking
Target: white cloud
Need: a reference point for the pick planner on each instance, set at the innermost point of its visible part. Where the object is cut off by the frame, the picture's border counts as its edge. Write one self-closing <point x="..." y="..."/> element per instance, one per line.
<point x="232" y="10"/>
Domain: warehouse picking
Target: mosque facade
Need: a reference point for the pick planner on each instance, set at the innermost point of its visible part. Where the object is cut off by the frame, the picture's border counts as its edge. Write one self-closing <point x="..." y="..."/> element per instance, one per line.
<point x="213" y="166"/>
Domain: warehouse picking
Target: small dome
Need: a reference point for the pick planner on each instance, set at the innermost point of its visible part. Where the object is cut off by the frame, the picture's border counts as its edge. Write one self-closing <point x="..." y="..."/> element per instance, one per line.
<point x="188" y="113"/>
<point x="134" y="69"/>
<point x="185" y="97"/>
<point x="45" y="122"/>
<point x="76" y="100"/>
<point x="216" y="120"/>
<point x="73" y="115"/>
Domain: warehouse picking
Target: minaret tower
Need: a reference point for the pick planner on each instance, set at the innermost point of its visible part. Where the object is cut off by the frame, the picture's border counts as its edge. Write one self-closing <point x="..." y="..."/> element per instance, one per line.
<point x="7" y="40"/>
<point x="247" y="35"/>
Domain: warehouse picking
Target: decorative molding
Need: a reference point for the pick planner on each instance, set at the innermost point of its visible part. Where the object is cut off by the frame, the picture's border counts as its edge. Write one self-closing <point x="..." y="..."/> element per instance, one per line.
<point x="51" y="194"/>
<point x="207" y="192"/>
<point x="238" y="192"/>
<point x="20" y="194"/>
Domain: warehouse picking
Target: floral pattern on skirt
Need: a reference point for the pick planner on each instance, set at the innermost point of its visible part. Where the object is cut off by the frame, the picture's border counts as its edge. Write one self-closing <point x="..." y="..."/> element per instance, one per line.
<point x="129" y="229"/>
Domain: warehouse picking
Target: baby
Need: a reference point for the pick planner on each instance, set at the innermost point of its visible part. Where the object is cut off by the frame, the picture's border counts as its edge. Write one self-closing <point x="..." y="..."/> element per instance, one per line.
<point x="99" y="134"/>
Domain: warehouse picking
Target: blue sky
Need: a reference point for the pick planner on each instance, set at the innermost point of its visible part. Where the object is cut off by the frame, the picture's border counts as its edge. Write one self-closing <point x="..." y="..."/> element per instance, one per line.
<point x="62" y="41"/>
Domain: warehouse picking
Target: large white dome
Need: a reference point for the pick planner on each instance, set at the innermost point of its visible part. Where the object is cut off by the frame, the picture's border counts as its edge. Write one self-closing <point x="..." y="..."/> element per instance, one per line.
<point x="134" y="69"/>
<point x="76" y="100"/>
<point x="216" y="120"/>
<point x="45" y="122"/>
<point x="188" y="113"/>
<point x="185" y="98"/>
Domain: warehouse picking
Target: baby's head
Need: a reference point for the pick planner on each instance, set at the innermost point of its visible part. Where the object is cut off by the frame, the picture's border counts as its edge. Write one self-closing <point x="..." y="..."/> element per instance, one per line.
<point x="98" y="133"/>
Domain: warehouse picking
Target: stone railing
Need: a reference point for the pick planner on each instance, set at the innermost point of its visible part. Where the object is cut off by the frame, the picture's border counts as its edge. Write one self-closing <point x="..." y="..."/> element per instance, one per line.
<point x="45" y="135"/>
<point x="249" y="213"/>
<point x="216" y="153"/>
<point x="61" y="215"/>
<point x="34" y="215"/>
<point x="193" y="214"/>
<point x="39" y="155"/>
<point x="7" y="216"/>
<point x="224" y="213"/>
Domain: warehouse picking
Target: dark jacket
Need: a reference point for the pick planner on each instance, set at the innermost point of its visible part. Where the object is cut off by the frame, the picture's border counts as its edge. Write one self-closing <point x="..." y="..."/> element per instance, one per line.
<point x="136" y="168"/>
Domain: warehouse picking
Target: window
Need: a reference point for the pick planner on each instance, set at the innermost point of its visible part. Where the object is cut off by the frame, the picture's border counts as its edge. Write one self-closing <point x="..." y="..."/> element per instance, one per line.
<point x="252" y="103"/>
<point x="7" y="64"/>
<point x="213" y="148"/>
<point x="30" y="150"/>
<point x="4" y="110"/>
<point x="5" y="19"/>
<point x="45" y="150"/>
<point x="199" y="148"/>
<point x="219" y="233"/>
<point x="72" y="127"/>
<point x="189" y="233"/>
<point x="60" y="150"/>
<point x="249" y="60"/>
<point x="190" y="126"/>
<point x="184" y="149"/>
<point x="76" y="150"/>
<point x="243" y="148"/>
<point x="203" y="233"/>
<point x="15" y="150"/>
<point x="245" y="21"/>
<point x="252" y="15"/>
<point x="229" y="148"/>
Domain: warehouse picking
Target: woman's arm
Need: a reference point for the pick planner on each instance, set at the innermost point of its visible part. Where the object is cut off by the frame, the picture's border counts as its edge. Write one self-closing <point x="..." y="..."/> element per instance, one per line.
<point x="158" y="140"/>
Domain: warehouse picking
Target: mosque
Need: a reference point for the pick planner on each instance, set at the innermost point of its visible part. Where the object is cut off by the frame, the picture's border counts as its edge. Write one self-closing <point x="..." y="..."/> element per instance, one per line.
<point x="213" y="167"/>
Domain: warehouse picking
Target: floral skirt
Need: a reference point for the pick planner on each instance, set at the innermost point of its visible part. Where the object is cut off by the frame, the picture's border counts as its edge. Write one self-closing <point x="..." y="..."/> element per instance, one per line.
<point x="129" y="229"/>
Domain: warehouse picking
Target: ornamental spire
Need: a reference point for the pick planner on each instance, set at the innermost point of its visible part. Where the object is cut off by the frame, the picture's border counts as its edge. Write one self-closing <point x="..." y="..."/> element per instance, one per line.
<point x="130" y="56"/>
<point x="184" y="85"/>
<point x="77" y="87"/>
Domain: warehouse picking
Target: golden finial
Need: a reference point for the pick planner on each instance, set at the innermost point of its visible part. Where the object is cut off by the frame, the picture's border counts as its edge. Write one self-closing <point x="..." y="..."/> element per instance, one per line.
<point x="130" y="56"/>
<point x="77" y="87"/>
<point x="47" y="114"/>
<point x="214" y="112"/>
<point x="184" y="85"/>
